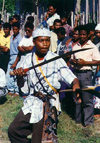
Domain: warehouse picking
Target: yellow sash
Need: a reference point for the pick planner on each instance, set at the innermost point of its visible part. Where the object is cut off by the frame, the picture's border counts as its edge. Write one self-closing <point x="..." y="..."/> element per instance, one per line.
<point x="45" y="77"/>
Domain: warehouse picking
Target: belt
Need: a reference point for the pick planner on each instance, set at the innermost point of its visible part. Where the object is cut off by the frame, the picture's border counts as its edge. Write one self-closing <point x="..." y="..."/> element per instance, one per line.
<point x="82" y="71"/>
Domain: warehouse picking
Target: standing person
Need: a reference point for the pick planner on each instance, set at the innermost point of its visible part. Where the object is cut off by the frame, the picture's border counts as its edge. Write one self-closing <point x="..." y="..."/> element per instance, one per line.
<point x="51" y="16"/>
<point x="57" y="24"/>
<point x="15" y="19"/>
<point x="14" y="42"/>
<point x="67" y="27"/>
<point x="62" y="39"/>
<point x="83" y="70"/>
<point x="5" y="46"/>
<point x="26" y="44"/>
<point x="44" y="80"/>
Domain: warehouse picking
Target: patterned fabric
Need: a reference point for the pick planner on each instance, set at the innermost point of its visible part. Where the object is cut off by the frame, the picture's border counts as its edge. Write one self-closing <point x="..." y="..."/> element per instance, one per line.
<point x="55" y="72"/>
<point x="50" y="124"/>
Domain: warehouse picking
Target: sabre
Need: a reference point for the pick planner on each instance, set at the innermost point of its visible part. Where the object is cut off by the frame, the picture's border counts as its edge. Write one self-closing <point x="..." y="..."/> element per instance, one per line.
<point x="91" y="89"/>
<point x="53" y="59"/>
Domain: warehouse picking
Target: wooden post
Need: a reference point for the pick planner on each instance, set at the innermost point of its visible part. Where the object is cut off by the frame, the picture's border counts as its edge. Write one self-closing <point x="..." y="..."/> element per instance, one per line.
<point x="94" y="10"/>
<point x="2" y="13"/>
<point x="87" y="10"/>
<point x="72" y="19"/>
<point x="98" y="11"/>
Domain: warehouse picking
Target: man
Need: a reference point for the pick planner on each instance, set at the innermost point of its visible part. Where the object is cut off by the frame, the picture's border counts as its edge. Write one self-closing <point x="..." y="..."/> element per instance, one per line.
<point x="5" y="46"/>
<point x="26" y="44"/>
<point x="57" y="24"/>
<point x="82" y="65"/>
<point x="51" y="15"/>
<point x="62" y="39"/>
<point x="45" y="79"/>
<point x="67" y="27"/>
<point x="14" y="42"/>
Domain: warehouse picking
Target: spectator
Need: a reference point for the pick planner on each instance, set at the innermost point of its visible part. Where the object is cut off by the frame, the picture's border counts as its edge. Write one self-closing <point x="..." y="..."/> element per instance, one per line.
<point x="51" y="15"/>
<point x="26" y="44"/>
<point x="57" y="24"/>
<point x="14" y="42"/>
<point x="82" y="61"/>
<point x="30" y="19"/>
<point x="67" y="27"/>
<point x="15" y="18"/>
<point x="5" y="46"/>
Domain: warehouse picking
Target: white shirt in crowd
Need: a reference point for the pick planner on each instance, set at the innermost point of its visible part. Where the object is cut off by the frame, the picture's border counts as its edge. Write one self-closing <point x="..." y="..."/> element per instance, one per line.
<point x="50" y="21"/>
<point x="2" y="78"/>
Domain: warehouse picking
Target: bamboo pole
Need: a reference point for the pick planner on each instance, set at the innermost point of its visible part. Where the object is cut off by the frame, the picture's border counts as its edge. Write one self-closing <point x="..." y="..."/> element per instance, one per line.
<point x="2" y="13"/>
<point x="94" y="10"/>
<point x="98" y="11"/>
<point x="87" y="11"/>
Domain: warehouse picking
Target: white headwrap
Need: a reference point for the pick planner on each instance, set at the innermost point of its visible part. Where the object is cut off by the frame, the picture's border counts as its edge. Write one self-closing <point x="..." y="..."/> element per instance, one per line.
<point x="97" y="27"/>
<point x="41" y="32"/>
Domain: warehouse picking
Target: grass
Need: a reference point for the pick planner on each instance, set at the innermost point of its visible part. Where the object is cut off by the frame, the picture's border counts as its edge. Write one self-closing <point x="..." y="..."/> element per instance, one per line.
<point x="68" y="130"/>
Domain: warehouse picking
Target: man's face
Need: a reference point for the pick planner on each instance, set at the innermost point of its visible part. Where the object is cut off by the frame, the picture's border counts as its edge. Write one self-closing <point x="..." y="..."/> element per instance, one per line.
<point x="15" y="30"/>
<point x="64" y="20"/>
<point x="57" y="25"/>
<point x="75" y="35"/>
<point x="51" y="10"/>
<point x="6" y="31"/>
<point x="28" y="31"/>
<point x="14" y="20"/>
<point x="42" y="44"/>
<point x="97" y="33"/>
<point x="83" y="36"/>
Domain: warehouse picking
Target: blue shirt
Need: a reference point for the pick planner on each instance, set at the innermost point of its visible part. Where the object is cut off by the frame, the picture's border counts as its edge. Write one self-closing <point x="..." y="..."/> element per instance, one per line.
<point x="14" y="44"/>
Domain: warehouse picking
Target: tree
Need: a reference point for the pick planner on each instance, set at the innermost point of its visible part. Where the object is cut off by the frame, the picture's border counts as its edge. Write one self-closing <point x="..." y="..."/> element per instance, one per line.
<point x="9" y="5"/>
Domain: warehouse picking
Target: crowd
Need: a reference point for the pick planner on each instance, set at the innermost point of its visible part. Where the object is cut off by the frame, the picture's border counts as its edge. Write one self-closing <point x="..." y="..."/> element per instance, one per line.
<point x="22" y="48"/>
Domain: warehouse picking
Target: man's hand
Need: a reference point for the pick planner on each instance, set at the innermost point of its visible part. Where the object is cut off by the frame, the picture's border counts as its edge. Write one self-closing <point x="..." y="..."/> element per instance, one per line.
<point x="18" y="72"/>
<point x="76" y="86"/>
<point x="81" y="62"/>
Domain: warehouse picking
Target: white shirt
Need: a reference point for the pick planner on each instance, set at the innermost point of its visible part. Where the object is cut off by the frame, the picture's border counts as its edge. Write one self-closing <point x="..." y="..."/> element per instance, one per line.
<point x="88" y="55"/>
<point x="25" y="42"/>
<point x="2" y="78"/>
<point x="55" y="72"/>
<point x="52" y="18"/>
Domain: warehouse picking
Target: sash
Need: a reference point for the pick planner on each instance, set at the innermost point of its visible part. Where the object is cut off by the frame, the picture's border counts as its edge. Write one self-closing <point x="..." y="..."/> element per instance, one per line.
<point x="45" y="77"/>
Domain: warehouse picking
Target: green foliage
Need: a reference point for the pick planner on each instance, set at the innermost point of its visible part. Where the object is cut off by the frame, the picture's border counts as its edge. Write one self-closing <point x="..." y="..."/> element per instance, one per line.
<point x="9" y="5"/>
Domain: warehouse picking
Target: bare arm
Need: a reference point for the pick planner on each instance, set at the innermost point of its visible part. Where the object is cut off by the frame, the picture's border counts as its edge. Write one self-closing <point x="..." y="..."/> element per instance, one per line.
<point x="81" y="62"/>
<point x="25" y="49"/>
<point x="4" y="49"/>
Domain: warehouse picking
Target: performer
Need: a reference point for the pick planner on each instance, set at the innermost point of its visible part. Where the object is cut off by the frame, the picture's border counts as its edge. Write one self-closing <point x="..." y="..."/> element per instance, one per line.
<point x="41" y="88"/>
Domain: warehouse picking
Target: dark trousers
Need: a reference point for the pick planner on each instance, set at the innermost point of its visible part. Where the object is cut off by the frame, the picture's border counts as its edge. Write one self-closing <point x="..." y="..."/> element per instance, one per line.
<point x="20" y="128"/>
<point x="85" y="111"/>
